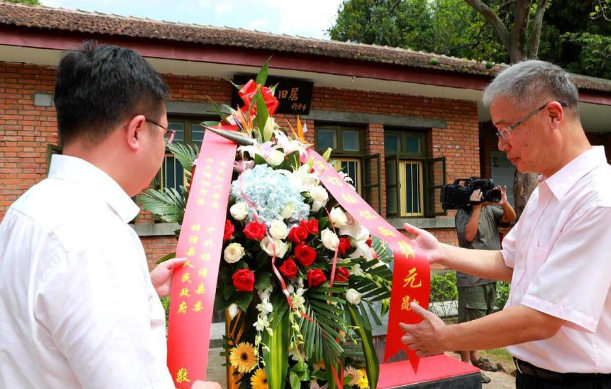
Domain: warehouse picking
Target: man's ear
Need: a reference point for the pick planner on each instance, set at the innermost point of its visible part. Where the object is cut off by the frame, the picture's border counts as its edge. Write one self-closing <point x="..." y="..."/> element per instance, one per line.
<point x="556" y="113"/>
<point x="133" y="131"/>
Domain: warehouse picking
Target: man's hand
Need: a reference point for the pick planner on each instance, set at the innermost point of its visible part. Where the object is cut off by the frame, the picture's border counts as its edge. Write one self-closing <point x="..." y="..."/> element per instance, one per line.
<point x="161" y="276"/>
<point x="503" y="195"/>
<point x="205" y="385"/>
<point x="425" y="337"/>
<point x="428" y="243"/>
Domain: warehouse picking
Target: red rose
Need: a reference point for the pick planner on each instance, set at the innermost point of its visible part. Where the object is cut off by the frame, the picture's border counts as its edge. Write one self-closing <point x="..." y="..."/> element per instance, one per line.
<point x="316" y="277"/>
<point x="229" y="229"/>
<point x="305" y="254"/>
<point x="297" y="234"/>
<point x="248" y="93"/>
<point x="341" y="274"/>
<point x="244" y="280"/>
<point x="344" y="245"/>
<point x="310" y="225"/>
<point x="368" y="242"/>
<point x="288" y="268"/>
<point x="255" y="231"/>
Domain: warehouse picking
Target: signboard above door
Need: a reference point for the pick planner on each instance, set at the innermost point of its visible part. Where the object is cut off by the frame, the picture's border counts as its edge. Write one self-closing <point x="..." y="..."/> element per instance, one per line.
<point x="295" y="96"/>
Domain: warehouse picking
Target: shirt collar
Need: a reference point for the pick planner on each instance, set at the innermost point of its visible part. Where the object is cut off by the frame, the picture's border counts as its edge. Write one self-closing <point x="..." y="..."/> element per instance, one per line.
<point x="563" y="180"/>
<point x="64" y="167"/>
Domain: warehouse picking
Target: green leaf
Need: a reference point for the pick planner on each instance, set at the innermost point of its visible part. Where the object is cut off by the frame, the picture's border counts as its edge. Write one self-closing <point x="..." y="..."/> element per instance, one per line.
<point x="262" y="75"/>
<point x="166" y="258"/>
<point x="371" y="358"/>
<point x="262" y="116"/>
<point x="243" y="300"/>
<point x="276" y="358"/>
<point x="327" y="154"/>
<point x="259" y="160"/>
<point x="185" y="154"/>
<point x="166" y="203"/>
<point x="295" y="381"/>
<point x="228" y="291"/>
<point x="263" y="280"/>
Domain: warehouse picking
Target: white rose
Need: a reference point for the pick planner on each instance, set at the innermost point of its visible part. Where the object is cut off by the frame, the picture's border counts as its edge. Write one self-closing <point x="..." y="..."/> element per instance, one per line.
<point x="338" y="217"/>
<point x="239" y="211"/>
<point x="353" y="297"/>
<point x="232" y="310"/>
<point x="233" y="252"/>
<point x="278" y="230"/>
<point x="287" y="212"/>
<point x="329" y="239"/>
<point x="269" y="246"/>
<point x="320" y="197"/>
<point x="274" y="158"/>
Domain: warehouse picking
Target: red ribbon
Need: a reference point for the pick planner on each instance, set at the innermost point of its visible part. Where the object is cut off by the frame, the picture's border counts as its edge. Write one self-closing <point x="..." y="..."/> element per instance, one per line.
<point x="411" y="273"/>
<point x="200" y="241"/>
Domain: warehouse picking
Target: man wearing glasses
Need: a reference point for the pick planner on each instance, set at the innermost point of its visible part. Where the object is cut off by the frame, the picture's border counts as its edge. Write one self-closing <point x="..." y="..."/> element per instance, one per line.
<point x="557" y="321"/>
<point x="78" y="307"/>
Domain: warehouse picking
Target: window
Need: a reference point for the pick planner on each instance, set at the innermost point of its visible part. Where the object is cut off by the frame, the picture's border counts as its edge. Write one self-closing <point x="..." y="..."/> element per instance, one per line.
<point x="413" y="181"/>
<point x="348" y="147"/>
<point x="188" y="131"/>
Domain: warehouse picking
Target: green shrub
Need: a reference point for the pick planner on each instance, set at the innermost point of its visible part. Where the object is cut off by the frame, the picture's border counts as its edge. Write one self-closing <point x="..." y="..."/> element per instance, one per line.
<point x="502" y="294"/>
<point x="444" y="294"/>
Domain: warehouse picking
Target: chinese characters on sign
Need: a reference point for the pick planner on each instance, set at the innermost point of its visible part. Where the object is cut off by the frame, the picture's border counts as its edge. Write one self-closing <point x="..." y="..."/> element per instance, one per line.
<point x="294" y="96"/>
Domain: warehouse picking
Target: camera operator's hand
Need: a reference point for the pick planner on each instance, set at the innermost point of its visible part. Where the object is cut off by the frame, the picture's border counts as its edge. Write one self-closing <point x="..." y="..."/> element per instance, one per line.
<point x="477" y="196"/>
<point x="503" y="194"/>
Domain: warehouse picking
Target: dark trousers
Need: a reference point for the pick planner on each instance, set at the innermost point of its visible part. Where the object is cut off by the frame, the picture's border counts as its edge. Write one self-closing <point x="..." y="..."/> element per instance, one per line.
<point x="532" y="377"/>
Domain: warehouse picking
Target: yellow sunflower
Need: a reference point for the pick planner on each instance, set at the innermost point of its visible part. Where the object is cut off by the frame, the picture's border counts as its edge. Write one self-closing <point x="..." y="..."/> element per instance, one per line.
<point x="259" y="380"/>
<point x="363" y="382"/>
<point x="243" y="358"/>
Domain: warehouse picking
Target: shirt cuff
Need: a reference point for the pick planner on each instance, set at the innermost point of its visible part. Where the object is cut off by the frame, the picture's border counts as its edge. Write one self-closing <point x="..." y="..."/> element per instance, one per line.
<point x="569" y="314"/>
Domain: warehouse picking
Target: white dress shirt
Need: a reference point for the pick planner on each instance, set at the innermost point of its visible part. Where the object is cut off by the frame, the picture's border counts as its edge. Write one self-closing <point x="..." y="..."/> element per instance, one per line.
<point x="77" y="307"/>
<point x="560" y="251"/>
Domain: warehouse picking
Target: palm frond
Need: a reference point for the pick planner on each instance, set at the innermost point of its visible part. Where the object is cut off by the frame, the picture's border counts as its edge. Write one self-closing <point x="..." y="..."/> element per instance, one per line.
<point x="186" y="154"/>
<point x="167" y="203"/>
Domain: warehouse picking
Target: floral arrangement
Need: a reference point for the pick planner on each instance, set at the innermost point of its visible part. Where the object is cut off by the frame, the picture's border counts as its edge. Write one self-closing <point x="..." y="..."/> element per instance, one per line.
<point x="299" y="276"/>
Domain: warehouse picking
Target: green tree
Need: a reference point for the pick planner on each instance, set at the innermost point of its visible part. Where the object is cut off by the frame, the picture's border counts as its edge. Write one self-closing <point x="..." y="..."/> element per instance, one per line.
<point x="26" y="2"/>
<point x="574" y="35"/>
<point x="448" y="27"/>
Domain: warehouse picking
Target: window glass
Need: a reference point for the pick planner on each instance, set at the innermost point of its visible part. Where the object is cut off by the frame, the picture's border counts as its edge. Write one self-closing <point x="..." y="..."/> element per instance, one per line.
<point x="197" y="133"/>
<point x="326" y="139"/>
<point x="413" y="144"/>
<point x="350" y="140"/>
<point x="179" y="127"/>
<point x="392" y="143"/>
<point x="413" y="188"/>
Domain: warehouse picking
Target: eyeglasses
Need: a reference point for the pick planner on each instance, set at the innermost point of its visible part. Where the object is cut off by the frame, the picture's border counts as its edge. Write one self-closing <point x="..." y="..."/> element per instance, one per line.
<point x="168" y="135"/>
<point x="505" y="133"/>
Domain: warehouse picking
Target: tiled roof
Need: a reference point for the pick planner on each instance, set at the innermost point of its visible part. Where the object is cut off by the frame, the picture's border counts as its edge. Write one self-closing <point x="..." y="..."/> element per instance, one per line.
<point x="46" y="18"/>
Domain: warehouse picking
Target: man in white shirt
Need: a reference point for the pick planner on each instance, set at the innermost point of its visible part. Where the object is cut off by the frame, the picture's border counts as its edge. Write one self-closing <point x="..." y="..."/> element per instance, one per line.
<point x="78" y="307"/>
<point x="557" y="321"/>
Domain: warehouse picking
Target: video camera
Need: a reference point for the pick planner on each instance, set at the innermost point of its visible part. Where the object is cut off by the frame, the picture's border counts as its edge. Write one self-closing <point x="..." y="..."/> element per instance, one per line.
<point x="456" y="196"/>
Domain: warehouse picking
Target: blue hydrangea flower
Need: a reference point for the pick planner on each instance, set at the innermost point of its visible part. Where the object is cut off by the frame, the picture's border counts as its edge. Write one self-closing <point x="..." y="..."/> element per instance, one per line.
<point x="271" y="192"/>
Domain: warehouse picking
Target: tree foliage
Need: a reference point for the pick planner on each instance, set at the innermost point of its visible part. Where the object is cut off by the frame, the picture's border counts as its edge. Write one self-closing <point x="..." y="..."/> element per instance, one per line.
<point x="574" y="35"/>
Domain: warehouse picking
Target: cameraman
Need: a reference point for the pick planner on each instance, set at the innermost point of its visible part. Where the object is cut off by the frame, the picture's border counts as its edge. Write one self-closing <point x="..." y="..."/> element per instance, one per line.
<point x="477" y="228"/>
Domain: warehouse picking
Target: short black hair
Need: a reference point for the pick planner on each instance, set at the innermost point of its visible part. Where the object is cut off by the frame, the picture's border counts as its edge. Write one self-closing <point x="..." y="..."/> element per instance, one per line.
<point x="99" y="86"/>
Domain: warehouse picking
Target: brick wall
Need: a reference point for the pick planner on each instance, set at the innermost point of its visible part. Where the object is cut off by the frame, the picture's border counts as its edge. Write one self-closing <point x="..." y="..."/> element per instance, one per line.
<point x="26" y="130"/>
